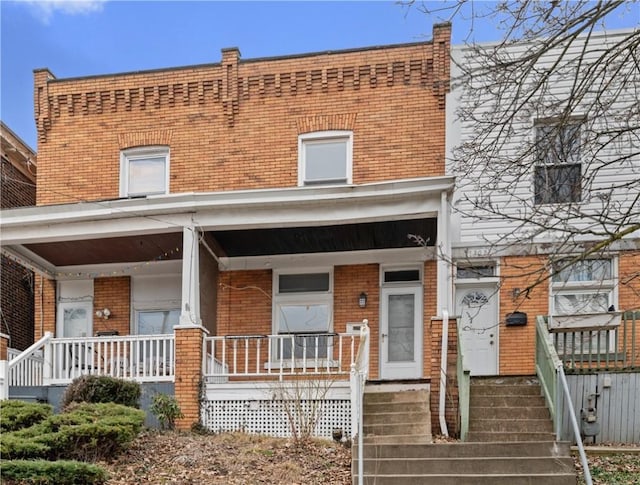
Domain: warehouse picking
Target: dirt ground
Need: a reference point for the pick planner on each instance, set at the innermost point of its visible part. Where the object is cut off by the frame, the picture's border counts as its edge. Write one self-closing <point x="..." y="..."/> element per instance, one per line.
<point x="230" y="458"/>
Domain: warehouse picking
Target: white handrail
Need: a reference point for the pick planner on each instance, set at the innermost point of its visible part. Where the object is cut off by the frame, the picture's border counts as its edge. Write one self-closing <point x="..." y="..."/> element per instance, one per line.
<point x="359" y="373"/>
<point x="30" y="350"/>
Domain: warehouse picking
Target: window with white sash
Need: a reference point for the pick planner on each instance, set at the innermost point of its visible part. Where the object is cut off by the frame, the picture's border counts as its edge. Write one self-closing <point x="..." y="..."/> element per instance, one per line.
<point x="302" y="308"/>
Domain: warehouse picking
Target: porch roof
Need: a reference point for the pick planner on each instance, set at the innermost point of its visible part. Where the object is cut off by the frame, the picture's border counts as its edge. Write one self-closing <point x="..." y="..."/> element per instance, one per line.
<point x="285" y="221"/>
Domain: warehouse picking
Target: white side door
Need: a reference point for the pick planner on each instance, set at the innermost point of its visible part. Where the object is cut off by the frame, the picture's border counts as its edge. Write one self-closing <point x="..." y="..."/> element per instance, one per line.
<point x="401" y="333"/>
<point x="477" y="306"/>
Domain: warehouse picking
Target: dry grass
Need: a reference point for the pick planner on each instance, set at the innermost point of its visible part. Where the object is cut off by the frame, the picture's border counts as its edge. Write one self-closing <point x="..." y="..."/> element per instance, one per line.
<point x="229" y="458"/>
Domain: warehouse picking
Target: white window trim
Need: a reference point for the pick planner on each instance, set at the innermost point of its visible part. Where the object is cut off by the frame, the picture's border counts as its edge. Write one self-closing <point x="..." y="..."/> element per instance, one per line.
<point x="142" y="152"/>
<point x="311" y="297"/>
<point x="404" y="267"/>
<point x="150" y="309"/>
<point x="325" y="135"/>
<point x="583" y="287"/>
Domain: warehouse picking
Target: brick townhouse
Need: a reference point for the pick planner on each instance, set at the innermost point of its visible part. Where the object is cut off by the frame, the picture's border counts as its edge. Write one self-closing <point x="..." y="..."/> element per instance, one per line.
<point x="265" y="207"/>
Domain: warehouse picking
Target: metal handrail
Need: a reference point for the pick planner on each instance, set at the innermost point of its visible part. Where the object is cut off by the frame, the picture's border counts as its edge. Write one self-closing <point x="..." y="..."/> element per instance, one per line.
<point x="547" y="357"/>
<point x="464" y="388"/>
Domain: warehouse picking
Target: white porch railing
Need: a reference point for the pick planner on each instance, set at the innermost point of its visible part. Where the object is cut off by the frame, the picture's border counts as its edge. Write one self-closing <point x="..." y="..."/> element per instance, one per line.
<point x="28" y="371"/>
<point x="278" y="356"/>
<point x="144" y="358"/>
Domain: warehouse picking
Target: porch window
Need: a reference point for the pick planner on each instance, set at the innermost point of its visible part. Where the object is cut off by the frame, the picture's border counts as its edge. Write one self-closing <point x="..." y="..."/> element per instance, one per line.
<point x="157" y="322"/>
<point x="303" y="310"/>
<point x="325" y="158"/>
<point x="580" y="290"/>
<point x="584" y="287"/>
<point x="144" y="171"/>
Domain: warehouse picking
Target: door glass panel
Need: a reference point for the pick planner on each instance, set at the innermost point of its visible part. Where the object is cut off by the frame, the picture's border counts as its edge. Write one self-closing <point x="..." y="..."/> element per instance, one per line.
<point x="75" y="322"/>
<point x="401" y="328"/>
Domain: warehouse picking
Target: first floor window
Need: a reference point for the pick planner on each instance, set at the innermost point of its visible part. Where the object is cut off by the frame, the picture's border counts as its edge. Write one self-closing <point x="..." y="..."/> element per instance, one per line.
<point x="583" y="287"/>
<point x="144" y="171"/>
<point x="157" y="322"/>
<point x="302" y="315"/>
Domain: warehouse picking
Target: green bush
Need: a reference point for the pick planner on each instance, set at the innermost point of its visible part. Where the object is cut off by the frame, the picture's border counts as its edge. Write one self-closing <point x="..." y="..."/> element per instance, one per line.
<point x="15" y="415"/>
<point x="51" y="473"/>
<point x="98" y="389"/>
<point x="86" y="432"/>
<point x="166" y="409"/>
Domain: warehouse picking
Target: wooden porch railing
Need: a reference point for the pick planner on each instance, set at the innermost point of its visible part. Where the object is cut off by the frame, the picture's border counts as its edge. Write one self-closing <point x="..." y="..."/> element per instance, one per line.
<point x="144" y="358"/>
<point x="240" y="356"/>
<point x="28" y="371"/>
<point x="611" y="348"/>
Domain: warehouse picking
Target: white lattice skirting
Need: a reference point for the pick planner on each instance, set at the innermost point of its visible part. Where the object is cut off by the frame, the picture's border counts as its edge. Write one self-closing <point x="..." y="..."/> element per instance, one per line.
<point x="270" y="416"/>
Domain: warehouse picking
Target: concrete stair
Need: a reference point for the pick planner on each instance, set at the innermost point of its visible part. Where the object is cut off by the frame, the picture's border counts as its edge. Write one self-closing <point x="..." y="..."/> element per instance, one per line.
<point x="511" y="440"/>
<point x="508" y="409"/>
<point x="396" y="414"/>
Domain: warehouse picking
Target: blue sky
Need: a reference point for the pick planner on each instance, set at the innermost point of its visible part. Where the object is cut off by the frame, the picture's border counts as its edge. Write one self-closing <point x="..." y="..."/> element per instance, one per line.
<point x="86" y="37"/>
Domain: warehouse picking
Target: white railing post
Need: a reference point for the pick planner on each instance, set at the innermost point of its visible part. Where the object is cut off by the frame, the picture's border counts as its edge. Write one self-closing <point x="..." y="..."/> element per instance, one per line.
<point x="4" y="380"/>
<point x="47" y="370"/>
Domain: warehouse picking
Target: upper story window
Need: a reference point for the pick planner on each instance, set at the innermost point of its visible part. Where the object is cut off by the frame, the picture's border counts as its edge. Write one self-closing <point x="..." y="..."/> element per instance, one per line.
<point x="583" y="287"/>
<point x="558" y="173"/>
<point x="144" y="171"/>
<point x="325" y="157"/>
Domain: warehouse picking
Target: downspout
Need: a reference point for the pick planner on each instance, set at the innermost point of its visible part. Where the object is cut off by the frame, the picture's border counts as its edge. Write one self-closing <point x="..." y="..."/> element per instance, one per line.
<point x="443" y="372"/>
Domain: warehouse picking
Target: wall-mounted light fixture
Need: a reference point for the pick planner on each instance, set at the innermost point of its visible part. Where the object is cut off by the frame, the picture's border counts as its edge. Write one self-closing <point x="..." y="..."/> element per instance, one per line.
<point x="104" y="313"/>
<point x="362" y="300"/>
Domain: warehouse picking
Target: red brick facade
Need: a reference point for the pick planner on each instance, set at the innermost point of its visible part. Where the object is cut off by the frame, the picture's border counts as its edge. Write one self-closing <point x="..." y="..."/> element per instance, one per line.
<point x="17" y="189"/>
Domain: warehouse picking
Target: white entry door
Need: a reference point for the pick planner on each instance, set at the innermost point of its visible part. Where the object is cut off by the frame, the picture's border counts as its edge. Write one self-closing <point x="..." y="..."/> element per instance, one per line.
<point x="75" y="319"/>
<point x="401" y="333"/>
<point x="477" y="305"/>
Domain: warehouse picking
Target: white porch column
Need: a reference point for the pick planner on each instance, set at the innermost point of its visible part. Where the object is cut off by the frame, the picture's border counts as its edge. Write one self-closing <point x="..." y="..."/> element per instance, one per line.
<point x="443" y="247"/>
<point x="190" y="308"/>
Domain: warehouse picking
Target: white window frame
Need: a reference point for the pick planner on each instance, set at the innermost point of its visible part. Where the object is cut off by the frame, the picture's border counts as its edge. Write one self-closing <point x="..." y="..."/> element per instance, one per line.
<point x="402" y="267"/>
<point x="141" y="153"/>
<point x="545" y="162"/>
<point x="319" y="137"/>
<point x="608" y="286"/>
<point x="300" y="298"/>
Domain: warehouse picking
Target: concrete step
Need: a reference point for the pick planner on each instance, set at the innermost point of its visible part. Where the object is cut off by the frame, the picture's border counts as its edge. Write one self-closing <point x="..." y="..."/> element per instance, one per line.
<point x="397" y="440"/>
<point x="496" y="436"/>
<point x="531" y="479"/>
<point x="502" y="400"/>
<point x="511" y="425"/>
<point x="508" y="389"/>
<point x="466" y="450"/>
<point x="395" y="418"/>
<point x="395" y="407"/>
<point x="406" y="428"/>
<point x="505" y="412"/>
<point x="505" y="380"/>
<point x="420" y="396"/>
<point x="467" y="466"/>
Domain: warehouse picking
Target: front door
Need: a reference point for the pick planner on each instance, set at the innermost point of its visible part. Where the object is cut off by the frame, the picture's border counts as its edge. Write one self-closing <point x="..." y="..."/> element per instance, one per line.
<point x="401" y="333"/>
<point x="75" y="319"/>
<point x="477" y="305"/>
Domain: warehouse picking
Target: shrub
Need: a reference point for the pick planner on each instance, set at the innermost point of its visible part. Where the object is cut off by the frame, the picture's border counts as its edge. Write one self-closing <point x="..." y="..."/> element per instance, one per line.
<point x="166" y="409"/>
<point x="85" y="432"/>
<point x="97" y="389"/>
<point x="53" y="473"/>
<point x="16" y="415"/>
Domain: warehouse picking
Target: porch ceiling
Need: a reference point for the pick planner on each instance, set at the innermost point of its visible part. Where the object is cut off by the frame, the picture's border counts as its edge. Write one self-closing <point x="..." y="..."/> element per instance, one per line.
<point x="111" y="250"/>
<point x="323" y="239"/>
